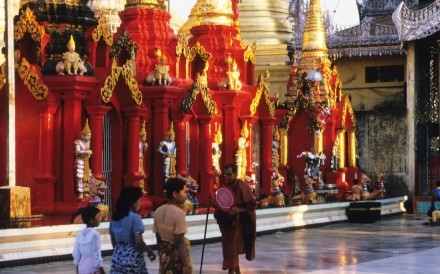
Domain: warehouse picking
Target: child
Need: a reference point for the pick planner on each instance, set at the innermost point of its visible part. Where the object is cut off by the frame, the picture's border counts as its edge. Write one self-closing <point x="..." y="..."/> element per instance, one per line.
<point x="87" y="251"/>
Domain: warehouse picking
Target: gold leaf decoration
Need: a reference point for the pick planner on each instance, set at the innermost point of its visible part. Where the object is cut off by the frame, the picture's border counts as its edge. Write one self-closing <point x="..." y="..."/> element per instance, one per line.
<point x="262" y="91"/>
<point x="28" y="74"/>
<point x="28" y="24"/>
<point x="347" y="107"/>
<point x="198" y="50"/>
<point x="103" y="30"/>
<point x="112" y="79"/>
<point x="182" y="46"/>
<point x="249" y="53"/>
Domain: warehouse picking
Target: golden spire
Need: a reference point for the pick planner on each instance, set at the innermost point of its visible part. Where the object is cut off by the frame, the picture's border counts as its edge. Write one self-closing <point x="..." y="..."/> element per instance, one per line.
<point x="314" y="41"/>
<point x="86" y="128"/>
<point x="71" y="41"/>
<point x="171" y="130"/>
<point x="209" y="12"/>
<point x="143" y="131"/>
<point x="218" y="137"/>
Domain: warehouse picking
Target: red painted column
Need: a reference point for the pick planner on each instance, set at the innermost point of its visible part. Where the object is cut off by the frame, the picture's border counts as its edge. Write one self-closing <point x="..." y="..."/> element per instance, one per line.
<point x="133" y="116"/>
<point x="206" y="183"/>
<point x="44" y="200"/>
<point x="180" y="121"/>
<point x="96" y="119"/>
<point x="161" y="125"/>
<point x="230" y="133"/>
<point x="72" y="125"/>
<point x="266" y="153"/>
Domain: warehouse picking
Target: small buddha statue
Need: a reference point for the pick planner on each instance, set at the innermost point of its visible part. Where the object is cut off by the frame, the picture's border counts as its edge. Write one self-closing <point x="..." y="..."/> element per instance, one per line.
<point x="72" y="63"/>
<point x="160" y="75"/>
<point x="233" y="74"/>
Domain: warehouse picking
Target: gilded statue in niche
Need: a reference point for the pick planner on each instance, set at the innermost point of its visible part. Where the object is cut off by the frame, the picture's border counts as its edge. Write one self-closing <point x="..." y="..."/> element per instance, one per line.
<point x="72" y="63"/>
<point x="160" y="75"/>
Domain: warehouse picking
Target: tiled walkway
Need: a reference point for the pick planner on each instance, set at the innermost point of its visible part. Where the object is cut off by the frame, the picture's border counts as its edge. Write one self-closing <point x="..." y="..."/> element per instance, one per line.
<point x="398" y="244"/>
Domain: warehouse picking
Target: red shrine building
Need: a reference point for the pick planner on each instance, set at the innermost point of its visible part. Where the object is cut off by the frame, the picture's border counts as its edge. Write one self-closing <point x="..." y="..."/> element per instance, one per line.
<point x="144" y="78"/>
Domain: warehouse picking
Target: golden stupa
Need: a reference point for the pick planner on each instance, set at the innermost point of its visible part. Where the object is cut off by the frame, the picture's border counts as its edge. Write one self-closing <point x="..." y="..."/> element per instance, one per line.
<point x="209" y="12"/>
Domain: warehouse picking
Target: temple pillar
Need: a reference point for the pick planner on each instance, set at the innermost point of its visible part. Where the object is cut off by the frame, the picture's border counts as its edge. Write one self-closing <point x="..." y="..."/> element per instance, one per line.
<point x="180" y="122"/>
<point x="351" y="146"/>
<point x="317" y="141"/>
<point x="132" y="176"/>
<point x="231" y="132"/>
<point x="72" y="125"/>
<point x="96" y="120"/>
<point x="341" y="149"/>
<point x="266" y="155"/>
<point x="133" y="116"/>
<point x="284" y="148"/>
<point x="45" y="198"/>
<point x="160" y="127"/>
<point x="206" y="183"/>
<point x="250" y="171"/>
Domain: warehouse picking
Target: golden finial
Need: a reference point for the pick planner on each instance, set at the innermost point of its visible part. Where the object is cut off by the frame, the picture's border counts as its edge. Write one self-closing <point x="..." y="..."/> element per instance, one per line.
<point x="171" y="130"/>
<point x="244" y="131"/>
<point x="86" y="128"/>
<point x="71" y="41"/>
<point x="218" y="135"/>
<point x="143" y="131"/>
<point x="276" y="133"/>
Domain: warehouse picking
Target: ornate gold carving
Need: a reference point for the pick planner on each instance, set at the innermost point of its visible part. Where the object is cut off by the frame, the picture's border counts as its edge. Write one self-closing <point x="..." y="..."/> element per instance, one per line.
<point x="31" y="79"/>
<point x="124" y="42"/>
<point x="2" y="75"/>
<point x="262" y="91"/>
<point x="200" y="86"/>
<point x="347" y="107"/>
<point x="160" y="4"/>
<point x="103" y="30"/>
<point x="27" y="23"/>
<point x="112" y="80"/>
<point x="182" y="46"/>
<point x="249" y="53"/>
<point x="198" y="50"/>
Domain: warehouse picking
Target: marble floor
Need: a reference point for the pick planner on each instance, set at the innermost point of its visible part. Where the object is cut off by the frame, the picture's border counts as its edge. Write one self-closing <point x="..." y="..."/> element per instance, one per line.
<point x="396" y="244"/>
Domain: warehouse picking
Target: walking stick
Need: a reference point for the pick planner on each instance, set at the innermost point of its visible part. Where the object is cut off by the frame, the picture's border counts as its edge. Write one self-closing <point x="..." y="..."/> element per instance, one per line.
<point x="204" y="236"/>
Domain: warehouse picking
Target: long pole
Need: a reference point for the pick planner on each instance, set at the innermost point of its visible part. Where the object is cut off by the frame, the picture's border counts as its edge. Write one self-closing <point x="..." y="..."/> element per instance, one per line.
<point x="204" y="235"/>
<point x="10" y="84"/>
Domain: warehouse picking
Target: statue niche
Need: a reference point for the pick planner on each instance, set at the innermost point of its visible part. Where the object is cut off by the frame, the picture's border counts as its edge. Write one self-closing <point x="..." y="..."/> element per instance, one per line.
<point x="160" y="75"/>
<point x="72" y="63"/>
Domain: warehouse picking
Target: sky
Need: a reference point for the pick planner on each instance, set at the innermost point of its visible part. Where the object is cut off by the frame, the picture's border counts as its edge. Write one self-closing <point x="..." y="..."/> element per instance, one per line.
<point x="344" y="12"/>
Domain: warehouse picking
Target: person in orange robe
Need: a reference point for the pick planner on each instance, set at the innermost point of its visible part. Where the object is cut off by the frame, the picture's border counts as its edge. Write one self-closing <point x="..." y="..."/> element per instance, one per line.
<point x="239" y="233"/>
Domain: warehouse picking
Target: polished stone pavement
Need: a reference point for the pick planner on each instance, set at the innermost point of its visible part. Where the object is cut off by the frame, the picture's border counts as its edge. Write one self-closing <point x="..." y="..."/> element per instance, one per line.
<point x="396" y="244"/>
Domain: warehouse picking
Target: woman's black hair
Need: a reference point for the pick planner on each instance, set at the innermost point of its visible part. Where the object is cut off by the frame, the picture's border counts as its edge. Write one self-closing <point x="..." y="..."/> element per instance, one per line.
<point x="174" y="184"/>
<point x="87" y="213"/>
<point x="129" y="195"/>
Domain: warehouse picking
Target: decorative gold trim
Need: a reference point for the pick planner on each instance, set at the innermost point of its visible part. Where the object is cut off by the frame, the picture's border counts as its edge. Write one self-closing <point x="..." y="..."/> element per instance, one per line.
<point x="262" y="90"/>
<point x="2" y="75"/>
<point x="200" y="86"/>
<point x="198" y="50"/>
<point x="112" y="80"/>
<point x="28" y="74"/>
<point x="182" y="46"/>
<point x="27" y="23"/>
<point x="347" y="107"/>
<point x="103" y="30"/>
<point x="249" y="53"/>
<point x="124" y="41"/>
